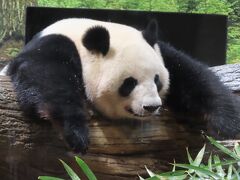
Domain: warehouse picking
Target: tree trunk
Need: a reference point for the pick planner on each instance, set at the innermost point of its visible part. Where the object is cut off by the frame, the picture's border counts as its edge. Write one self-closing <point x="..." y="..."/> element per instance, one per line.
<point x="12" y="13"/>
<point x="29" y="148"/>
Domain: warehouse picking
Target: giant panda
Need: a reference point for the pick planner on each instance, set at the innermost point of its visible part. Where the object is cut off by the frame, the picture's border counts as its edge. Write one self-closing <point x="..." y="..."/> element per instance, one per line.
<point x="122" y="72"/>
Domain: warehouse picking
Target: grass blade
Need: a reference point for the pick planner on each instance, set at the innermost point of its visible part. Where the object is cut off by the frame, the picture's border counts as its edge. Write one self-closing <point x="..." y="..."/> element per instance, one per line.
<point x="201" y="170"/>
<point x="223" y="148"/>
<point x="70" y="172"/>
<point x="87" y="171"/>
<point x="49" y="178"/>
<point x="229" y="174"/>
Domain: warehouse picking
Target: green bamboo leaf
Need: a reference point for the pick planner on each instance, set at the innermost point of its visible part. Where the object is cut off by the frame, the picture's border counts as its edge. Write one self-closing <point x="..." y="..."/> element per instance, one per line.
<point x="230" y="171"/>
<point x="199" y="157"/>
<point x="228" y="162"/>
<point x="193" y="177"/>
<point x="153" y="178"/>
<point x="87" y="171"/>
<point x="48" y="178"/>
<point x="202" y="175"/>
<point x="151" y="174"/>
<point x="140" y="177"/>
<point x="177" y="175"/>
<point x="219" y="168"/>
<point x="190" y="160"/>
<point x="236" y="173"/>
<point x="210" y="162"/>
<point x="197" y="161"/>
<point x="69" y="170"/>
<point x="223" y="148"/>
<point x="237" y="149"/>
<point x="201" y="170"/>
<point x="182" y="177"/>
<point x="174" y="167"/>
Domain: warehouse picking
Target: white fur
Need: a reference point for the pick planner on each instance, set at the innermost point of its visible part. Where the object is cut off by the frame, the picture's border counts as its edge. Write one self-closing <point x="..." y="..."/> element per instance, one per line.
<point x="129" y="55"/>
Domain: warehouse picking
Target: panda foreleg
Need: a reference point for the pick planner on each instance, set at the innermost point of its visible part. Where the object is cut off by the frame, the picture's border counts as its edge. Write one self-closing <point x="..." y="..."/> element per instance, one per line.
<point x="73" y="124"/>
<point x="47" y="78"/>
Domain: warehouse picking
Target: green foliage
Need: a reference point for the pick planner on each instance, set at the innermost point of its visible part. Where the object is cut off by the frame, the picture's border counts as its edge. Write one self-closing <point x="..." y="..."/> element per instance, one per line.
<point x="231" y="8"/>
<point x="213" y="7"/>
<point x="111" y="4"/>
<point x="59" y="3"/>
<point x="196" y="169"/>
<point x="12" y="52"/>
<point x="227" y="169"/>
<point x="86" y="170"/>
<point x="164" y="6"/>
<point x="225" y="7"/>
<point x="233" y="54"/>
<point x="49" y="178"/>
<point x="12" y="21"/>
<point x="70" y="172"/>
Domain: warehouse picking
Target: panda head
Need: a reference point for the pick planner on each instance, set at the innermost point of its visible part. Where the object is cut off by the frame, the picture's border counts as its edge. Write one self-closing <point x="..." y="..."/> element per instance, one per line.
<point x="123" y="70"/>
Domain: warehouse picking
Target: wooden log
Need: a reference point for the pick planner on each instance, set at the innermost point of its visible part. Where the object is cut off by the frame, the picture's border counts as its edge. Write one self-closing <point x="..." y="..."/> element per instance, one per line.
<point x="229" y="75"/>
<point x="29" y="148"/>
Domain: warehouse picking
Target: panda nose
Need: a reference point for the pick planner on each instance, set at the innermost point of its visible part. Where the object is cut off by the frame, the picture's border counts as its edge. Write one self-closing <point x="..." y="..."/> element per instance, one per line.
<point x="151" y="108"/>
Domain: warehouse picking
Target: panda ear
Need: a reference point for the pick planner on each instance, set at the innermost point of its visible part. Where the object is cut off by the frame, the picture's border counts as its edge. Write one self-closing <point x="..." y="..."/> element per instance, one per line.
<point x="97" y="39"/>
<point x="150" y="34"/>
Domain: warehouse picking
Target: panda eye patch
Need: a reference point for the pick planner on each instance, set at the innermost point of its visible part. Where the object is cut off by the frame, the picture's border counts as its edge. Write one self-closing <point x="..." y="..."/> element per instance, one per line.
<point x="157" y="82"/>
<point x="127" y="86"/>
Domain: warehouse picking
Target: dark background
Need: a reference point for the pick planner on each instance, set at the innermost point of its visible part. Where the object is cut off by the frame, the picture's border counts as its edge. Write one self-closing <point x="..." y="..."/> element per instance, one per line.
<point x="200" y="35"/>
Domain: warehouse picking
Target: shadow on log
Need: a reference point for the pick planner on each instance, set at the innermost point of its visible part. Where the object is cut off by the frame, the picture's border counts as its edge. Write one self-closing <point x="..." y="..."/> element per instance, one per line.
<point x="117" y="151"/>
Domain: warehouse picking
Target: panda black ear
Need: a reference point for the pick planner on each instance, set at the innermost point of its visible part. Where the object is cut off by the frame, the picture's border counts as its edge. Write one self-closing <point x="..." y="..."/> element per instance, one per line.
<point x="97" y="39"/>
<point x="150" y="34"/>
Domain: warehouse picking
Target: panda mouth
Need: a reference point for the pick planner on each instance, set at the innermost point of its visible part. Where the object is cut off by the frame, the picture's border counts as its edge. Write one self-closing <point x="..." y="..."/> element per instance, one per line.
<point x="137" y="115"/>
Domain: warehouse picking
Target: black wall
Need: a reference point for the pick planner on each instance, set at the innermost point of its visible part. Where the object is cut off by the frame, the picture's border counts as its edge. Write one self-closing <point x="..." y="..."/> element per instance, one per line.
<point x="201" y="36"/>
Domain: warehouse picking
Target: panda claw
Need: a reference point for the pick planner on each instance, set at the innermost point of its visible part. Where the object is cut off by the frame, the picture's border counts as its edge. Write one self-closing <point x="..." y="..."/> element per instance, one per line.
<point x="77" y="139"/>
<point x="77" y="145"/>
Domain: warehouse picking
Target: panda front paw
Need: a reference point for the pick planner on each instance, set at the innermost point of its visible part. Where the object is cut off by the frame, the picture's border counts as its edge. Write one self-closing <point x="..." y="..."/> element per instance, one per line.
<point x="77" y="138"/>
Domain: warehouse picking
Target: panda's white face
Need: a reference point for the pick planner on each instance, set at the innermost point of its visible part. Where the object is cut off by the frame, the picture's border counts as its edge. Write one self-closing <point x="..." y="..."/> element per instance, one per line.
<point x="133" y="85"/>
<point x="124" y="76"/>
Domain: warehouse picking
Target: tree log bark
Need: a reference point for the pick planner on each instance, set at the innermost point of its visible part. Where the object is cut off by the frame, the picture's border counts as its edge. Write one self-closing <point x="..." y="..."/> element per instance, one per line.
<point x="29" y="148"/>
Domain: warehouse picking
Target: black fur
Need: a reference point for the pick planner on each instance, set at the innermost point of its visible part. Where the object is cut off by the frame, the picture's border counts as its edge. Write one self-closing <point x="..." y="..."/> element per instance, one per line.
<point x="195" y="90"/>
<point x="158" y="82"/>
<point x="150" y="34"/>
<point x="47" y="76"/>
<point x="97" y="39"/>
<point x="127" y="87"/>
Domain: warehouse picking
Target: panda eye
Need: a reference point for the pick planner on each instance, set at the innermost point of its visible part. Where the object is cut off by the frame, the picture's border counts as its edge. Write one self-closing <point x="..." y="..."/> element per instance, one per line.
<point x="157" y="82"/>
<point x="127" y="86"/>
